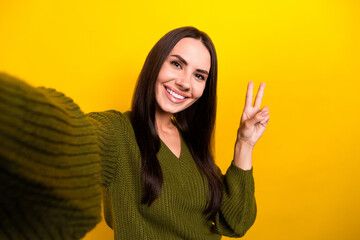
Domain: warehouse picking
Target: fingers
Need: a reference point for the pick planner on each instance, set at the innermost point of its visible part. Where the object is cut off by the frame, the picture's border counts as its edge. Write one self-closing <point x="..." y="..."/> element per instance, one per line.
<point x="265" y="110"/>
<point x="261" y="117"/>
<point x="259" y="95"/>
<point x="266" y="120"/>
<point x="249" y="95"/>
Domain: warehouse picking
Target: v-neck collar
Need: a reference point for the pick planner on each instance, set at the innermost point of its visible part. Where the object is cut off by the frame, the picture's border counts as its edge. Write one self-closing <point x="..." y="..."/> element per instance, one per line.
<point x="172" y="153"/>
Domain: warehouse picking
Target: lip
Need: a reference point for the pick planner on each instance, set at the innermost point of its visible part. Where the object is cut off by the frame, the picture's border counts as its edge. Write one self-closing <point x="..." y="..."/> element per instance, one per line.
<point x="173" y="99"/>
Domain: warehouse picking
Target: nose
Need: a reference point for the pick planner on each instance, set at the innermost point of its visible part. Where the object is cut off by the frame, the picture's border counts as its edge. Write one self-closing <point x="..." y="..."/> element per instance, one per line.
<point x="184" y="82"/>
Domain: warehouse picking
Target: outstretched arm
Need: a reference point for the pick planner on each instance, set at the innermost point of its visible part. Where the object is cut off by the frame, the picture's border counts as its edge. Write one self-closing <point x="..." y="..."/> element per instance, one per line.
<point x="49" y="165"/>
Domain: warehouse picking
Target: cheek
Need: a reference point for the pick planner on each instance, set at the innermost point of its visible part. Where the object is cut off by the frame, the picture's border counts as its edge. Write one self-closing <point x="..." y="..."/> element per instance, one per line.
<point x="161" y="75"/>
<point x="199" y="90"/>
<point x="166" y="73"/>
<point x="158" y="90"/>
<point x="159" y="80"/>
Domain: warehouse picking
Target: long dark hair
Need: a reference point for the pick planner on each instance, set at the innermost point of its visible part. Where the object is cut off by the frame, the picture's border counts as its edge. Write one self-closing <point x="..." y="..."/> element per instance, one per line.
<point x="196" y="123"/>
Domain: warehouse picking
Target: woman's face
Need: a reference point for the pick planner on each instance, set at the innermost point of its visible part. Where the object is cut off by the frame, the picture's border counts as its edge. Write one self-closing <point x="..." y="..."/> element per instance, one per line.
<point x="182" y="77"/>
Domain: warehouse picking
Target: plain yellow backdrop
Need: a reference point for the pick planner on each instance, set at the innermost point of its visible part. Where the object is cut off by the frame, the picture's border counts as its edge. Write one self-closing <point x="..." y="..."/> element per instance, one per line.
<point x="307" y="163"/>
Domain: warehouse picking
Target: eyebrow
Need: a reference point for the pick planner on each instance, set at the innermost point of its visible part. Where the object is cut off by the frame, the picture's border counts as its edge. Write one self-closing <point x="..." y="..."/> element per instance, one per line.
<point x="185" y="62"/>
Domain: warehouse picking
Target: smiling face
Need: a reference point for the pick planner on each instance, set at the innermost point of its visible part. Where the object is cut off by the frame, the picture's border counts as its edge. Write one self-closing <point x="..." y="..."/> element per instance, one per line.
<point x="183" y="75"/>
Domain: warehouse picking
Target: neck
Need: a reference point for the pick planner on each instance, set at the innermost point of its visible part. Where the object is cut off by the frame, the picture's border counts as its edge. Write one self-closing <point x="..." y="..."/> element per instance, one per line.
<point x="163" y="121"/>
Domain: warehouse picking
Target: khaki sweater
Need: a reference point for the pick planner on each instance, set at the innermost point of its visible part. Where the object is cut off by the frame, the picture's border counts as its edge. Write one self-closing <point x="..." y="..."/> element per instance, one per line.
<point x="56" y="163"/>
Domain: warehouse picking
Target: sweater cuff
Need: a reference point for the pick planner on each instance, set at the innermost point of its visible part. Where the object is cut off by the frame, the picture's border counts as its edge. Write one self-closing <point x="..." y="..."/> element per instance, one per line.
<point x="239" y="172"/>
<point x="236" y="176"/>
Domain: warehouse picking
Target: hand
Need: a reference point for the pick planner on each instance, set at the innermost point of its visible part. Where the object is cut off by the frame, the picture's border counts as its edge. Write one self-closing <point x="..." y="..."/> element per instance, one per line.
<point x="253" y="120"/>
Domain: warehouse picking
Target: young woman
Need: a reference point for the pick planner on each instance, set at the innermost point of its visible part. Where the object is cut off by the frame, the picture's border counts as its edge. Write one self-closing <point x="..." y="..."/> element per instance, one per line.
<point x="155" y="163"/>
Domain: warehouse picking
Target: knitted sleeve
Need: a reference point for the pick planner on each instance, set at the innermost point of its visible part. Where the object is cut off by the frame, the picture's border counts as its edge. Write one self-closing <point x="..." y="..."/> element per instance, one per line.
<point x="50" y="170"/>
<point x="110" y="127"/>
<point x="238" y="210"/>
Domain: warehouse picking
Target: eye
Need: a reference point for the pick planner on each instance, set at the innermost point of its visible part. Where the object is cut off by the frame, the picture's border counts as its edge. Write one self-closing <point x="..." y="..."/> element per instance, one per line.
<point x="199" y="76"/>
<point x="176" y="64"/>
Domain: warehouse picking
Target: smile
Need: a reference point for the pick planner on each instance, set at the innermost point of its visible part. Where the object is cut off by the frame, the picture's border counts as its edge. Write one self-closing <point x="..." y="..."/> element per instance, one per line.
<point x="175" y="95"/>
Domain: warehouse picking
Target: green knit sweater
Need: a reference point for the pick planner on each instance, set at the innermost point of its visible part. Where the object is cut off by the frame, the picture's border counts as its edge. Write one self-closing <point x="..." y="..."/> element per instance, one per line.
<point x="56" y="161"/>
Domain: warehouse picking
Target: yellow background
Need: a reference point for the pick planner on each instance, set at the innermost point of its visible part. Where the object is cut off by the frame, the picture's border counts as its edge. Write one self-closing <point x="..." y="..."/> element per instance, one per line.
<point x="307" y="163"/>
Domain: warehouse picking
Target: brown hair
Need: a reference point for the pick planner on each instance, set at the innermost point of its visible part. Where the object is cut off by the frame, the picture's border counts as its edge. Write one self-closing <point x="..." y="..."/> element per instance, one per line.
<point x="196" y="123"/>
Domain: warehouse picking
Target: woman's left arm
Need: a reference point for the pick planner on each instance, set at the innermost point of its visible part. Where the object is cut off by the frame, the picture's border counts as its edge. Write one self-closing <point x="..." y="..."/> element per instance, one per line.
<point x="252" y="126"/>
<point x="238" y="209"/>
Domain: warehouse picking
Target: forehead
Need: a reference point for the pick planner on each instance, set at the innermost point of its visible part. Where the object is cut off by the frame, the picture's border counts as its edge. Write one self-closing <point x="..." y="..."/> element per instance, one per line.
<point x="194" y="52"/>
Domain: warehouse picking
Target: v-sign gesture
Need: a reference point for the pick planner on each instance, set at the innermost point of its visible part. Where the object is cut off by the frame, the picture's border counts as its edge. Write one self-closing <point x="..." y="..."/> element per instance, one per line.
<point x="252" y="126"/>
<point x="253" y="120"/>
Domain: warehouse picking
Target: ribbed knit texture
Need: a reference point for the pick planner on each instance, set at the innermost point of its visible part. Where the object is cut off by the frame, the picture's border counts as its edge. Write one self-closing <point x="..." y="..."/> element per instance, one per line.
<point x="49" y="165"/>
<point x="178" y="212"/>
<point x="54" y="158"/>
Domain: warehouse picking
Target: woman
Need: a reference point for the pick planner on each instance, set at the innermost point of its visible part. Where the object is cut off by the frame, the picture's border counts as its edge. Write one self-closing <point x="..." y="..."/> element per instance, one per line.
<point x="158" y="176"/>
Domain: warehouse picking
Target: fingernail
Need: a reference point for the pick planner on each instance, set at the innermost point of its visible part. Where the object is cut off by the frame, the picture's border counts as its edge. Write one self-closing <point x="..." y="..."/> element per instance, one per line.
<point x="264" y="113"/>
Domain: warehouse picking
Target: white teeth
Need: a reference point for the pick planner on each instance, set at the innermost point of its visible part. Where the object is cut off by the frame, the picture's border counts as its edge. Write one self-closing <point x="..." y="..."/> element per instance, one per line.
<point x="175" y="94"/>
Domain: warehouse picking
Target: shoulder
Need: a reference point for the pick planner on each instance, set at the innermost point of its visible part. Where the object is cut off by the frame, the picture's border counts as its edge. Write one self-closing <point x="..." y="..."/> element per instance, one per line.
<point x="110" y="117"/>
<point x="111" y="122"/>
<point x="109" y="114"/>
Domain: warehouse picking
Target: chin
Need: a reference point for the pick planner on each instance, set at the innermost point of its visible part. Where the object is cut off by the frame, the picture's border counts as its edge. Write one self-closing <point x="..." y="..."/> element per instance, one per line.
<point x="171" y="109"/>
